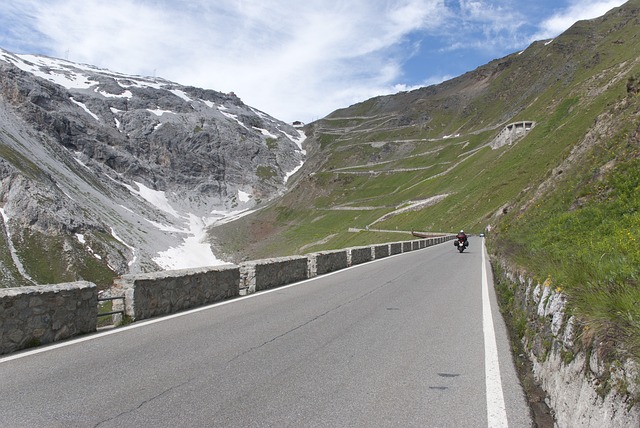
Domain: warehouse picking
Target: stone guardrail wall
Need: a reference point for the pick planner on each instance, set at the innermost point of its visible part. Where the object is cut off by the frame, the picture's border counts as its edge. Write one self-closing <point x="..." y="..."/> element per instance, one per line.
<point x="154" y="294"/>
<point x="360" y="255"/>
<point x="35" y="315"/>
<point x="31" y="316"/>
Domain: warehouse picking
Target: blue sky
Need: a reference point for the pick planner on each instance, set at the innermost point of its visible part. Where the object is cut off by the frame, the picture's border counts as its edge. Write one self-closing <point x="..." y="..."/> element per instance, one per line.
<point x="293" y="59"/>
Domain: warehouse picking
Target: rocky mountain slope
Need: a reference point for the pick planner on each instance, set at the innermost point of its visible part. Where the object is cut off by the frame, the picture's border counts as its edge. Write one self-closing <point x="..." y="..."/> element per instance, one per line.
<point x="103" y="173"/>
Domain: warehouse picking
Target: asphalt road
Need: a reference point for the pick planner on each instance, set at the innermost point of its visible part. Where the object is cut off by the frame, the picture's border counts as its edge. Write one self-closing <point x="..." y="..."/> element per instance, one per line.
<point x="398" y="342"/>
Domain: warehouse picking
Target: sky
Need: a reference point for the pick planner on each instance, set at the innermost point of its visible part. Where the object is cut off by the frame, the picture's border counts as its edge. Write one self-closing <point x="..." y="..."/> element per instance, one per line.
<point x="296" y="60"/>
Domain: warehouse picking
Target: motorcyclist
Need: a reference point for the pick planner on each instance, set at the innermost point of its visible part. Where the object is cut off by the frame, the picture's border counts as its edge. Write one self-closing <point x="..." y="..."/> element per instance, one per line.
<point x="462" y="237"/>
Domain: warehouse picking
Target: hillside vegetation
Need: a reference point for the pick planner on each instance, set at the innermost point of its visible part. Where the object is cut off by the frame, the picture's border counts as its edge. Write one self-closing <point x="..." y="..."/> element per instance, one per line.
<point x="562" y="200"/>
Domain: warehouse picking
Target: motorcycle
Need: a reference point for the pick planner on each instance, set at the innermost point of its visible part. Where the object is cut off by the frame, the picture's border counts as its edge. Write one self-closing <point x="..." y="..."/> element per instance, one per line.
<point x="460" y="244"/>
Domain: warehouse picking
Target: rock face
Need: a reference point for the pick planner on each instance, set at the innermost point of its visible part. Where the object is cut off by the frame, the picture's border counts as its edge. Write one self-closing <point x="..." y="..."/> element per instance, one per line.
<point x="585" y="386"/>
<point x="103" y="174"/>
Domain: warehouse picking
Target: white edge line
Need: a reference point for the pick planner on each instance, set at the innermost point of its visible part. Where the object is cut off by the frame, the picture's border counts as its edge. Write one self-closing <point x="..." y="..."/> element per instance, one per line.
<point x="92" y="336"/>
<point x="496" y="412"/>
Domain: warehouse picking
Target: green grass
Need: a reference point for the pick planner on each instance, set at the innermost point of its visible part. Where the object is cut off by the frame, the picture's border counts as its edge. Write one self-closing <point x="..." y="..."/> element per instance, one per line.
<point x="266" y="173"/>
<point x="272" y="143"/>
<point x="24" y="165"/>
<point x="52" y="260"/>
<point x="585" y="237"/>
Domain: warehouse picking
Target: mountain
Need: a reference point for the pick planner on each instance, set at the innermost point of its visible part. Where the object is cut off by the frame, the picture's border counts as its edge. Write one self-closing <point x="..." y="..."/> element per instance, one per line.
<point x="103" y="173"/>
<point x="448" y="156"/>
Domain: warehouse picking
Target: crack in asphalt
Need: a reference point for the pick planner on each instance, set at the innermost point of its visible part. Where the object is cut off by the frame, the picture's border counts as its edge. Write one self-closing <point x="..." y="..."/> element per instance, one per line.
<point x="317" y="317"/>
<point x="143" y="403"/>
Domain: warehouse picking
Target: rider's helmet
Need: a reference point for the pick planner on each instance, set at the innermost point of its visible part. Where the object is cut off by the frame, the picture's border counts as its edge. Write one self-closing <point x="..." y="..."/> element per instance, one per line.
<point x="461" y="231"/>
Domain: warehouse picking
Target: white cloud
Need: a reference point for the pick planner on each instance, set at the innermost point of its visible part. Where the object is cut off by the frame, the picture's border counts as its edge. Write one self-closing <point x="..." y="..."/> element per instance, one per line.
<point x="313" y="54"/>
<point x="296" y="60"/>
<point x="578" y="10"/>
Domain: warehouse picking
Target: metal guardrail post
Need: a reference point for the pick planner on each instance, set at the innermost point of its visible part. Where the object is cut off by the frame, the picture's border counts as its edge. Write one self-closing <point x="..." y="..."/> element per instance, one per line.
<point x="105" y="299"/>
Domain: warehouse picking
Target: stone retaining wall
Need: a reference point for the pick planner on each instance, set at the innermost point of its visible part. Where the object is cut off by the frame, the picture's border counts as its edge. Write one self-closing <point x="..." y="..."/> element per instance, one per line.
<point x="361" y="255"/>
<point x="270" y="273"/>
<point x="329" y="261"/>
<point x="36" y="315"/>
<point x="567" y="367"/>
<point x="160" y="293"/>
<point x="380" y="251"/>
<point x="42" y="314"/>
<point x="395" y="248"/>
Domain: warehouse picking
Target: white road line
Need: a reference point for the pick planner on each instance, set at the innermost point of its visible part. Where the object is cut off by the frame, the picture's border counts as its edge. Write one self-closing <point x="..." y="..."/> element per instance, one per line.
<point x="496" y="413"/>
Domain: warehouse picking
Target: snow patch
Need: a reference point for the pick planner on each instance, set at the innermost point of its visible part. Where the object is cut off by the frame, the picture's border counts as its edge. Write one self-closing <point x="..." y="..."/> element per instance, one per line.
<point x="244" y="196"/>
<point x="77" y="156"/>
<point x="51" y="70"/>
<point x="80" y="238"/>
<point x="193" y="252"/>
<point x="156" y="198"/>
<point x="126" y="94"/>
<point x="159" y="112"/>
<point x="165" y="228"/>
<point x="265" y="132"/>
<point x="181" y="94"/>
<point x="293" y="171"/>
<point x="133" y="250"/>
<point x="299" y="139"/>
<point x="235" y="118"/>
<point x="261" y="114"/>
<point x="12" y="249"/>
<point x="85" y="108"/>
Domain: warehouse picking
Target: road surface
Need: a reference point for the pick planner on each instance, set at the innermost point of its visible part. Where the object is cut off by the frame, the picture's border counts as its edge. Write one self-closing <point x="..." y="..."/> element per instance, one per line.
<point x="399" y="342"/>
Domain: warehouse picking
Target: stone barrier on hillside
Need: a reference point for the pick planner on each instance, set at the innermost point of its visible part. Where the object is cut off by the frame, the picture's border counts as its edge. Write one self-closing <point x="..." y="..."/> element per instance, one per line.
<point x="360" y="255"/>
<point x="264" y="274"/>
<point x="153" y="294"/>
<point x="395" y="248"/>
<point x="380" y="251"/>
<point x="328" y="261"/>
<point x="41" y="314"/>
<point x="36" y="315"/>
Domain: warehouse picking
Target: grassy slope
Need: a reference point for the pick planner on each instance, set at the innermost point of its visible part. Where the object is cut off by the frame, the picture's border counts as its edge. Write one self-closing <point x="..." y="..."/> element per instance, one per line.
<point x="581" y="235"/>
<point x="574" y="88"/>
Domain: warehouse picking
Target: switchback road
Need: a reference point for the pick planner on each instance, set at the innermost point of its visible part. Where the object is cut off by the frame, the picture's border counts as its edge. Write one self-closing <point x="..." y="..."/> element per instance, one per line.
<point x="413" y="340"/>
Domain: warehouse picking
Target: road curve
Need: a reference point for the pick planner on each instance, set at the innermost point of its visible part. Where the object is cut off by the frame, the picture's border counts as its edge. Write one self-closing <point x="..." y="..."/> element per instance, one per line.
<point x="398" y="342"/>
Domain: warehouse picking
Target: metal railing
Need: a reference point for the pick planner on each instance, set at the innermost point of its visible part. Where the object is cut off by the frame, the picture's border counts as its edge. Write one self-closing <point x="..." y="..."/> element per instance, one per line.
<point x="106" y="299"/>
